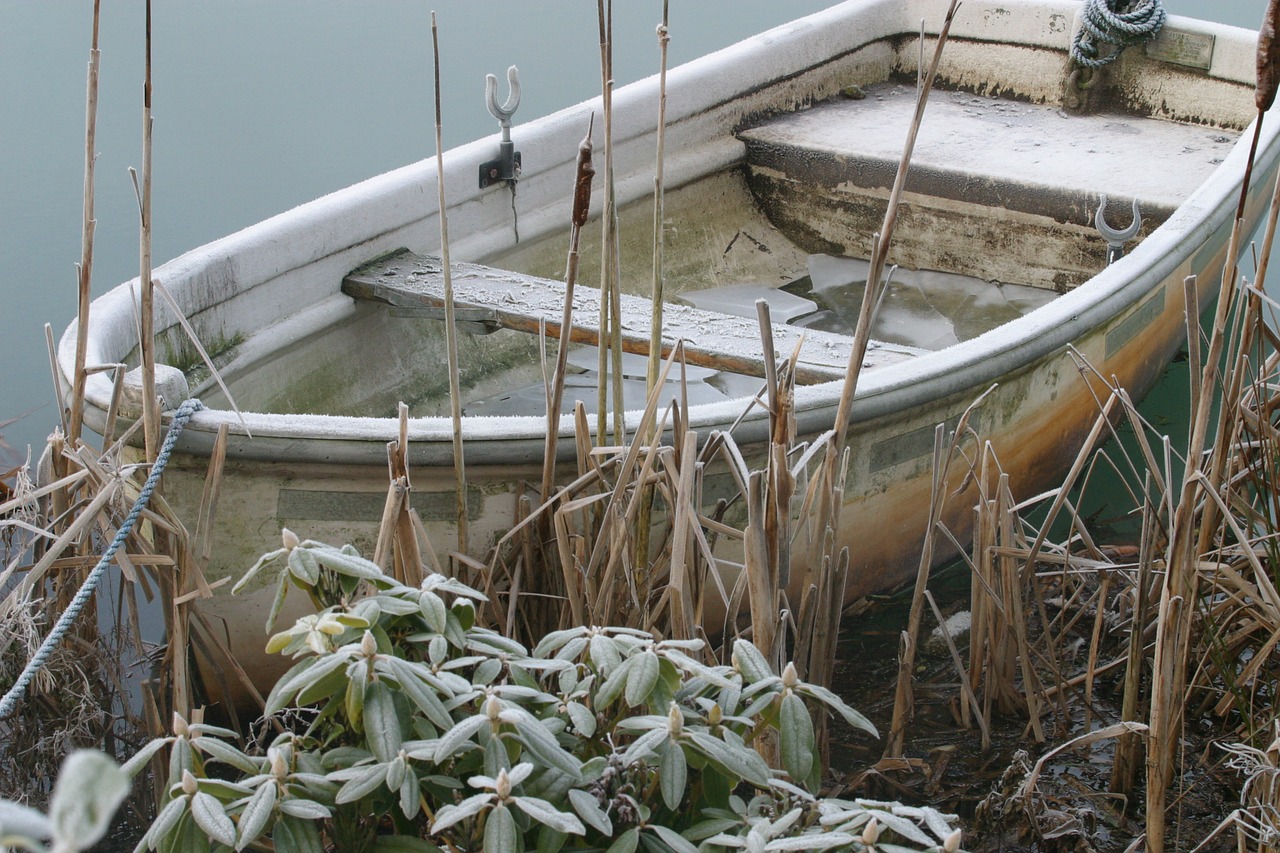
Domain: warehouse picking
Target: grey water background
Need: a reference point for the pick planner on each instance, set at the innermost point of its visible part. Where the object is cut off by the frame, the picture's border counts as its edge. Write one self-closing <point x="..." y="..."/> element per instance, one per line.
<point x="260" y="105"/>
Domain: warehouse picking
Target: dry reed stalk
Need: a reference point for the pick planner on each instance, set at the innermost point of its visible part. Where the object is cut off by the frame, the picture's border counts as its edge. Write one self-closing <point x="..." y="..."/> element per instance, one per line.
<point x="397" y="550"/>
<point x="450" y="328"/>
<point x="84" y="270"/>
<point x="659" y="189"/>
<point x="147" y="344"/>
<point x="610" y="297"/>
<point x="581" y="207"/>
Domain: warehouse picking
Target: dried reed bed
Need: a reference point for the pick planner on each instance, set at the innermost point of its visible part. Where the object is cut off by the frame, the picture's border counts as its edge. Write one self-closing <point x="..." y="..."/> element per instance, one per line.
<point x="1131" y="644"/>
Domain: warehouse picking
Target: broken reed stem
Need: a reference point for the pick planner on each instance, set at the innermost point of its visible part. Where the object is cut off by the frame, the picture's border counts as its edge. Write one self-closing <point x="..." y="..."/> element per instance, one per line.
<point x="581" y="208"/>
<point x="147" y="343"/>
<point x="655" y="334"/>
<point x="450" y="329"/>
<point x="84" y="271"/>
<point x="902" y="701"/>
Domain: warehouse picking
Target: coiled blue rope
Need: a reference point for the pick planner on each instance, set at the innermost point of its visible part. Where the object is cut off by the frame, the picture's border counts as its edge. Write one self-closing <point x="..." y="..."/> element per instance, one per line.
<point x="60" y="628"/>
<point x="1103" y="22"/>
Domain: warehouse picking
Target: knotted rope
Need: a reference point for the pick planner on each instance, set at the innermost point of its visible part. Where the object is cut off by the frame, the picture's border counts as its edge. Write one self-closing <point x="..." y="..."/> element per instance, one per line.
<point x="60" y="628"/>
<point x="1103" y="22"/>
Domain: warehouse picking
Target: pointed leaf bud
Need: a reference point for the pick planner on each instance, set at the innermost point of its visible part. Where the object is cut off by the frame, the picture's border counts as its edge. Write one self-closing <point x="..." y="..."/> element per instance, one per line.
<point x="790" y="678"/>
<point x="871" y="832"/>
<point x="368" y="645"/>
<point x="189" y="784"/>
<point x="279" y="767"/>
<point x="675" y="720"/>
<point x="180" y="727"/>
<point x="503" y="785"/>
<point x="289" y="539"/>
<point x="952" y="844"/>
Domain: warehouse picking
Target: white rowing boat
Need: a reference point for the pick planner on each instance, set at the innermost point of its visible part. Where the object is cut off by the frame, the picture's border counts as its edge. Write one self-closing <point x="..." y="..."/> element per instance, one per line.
<point x="780" y="152"/>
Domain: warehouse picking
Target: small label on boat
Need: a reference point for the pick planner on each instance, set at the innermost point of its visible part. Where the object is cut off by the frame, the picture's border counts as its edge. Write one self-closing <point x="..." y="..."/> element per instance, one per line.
<point x="1182" y="47"/>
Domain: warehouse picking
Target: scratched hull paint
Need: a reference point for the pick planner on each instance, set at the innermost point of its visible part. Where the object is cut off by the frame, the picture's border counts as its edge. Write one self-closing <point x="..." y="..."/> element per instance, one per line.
<point x="323" y="373"/>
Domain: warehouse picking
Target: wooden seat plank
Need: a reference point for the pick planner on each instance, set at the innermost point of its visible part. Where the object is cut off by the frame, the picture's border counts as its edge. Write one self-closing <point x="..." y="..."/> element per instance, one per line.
<point x="503" y="299"/>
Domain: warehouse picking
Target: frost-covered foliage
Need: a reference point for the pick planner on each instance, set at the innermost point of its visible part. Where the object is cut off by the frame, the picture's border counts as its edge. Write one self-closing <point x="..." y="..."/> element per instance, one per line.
<point x="429" y="732"/>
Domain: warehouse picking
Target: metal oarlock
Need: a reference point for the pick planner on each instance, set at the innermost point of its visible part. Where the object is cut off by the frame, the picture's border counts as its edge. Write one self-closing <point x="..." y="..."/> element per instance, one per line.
<point x="507" y="167"/>
<point x="1115" y="239"/>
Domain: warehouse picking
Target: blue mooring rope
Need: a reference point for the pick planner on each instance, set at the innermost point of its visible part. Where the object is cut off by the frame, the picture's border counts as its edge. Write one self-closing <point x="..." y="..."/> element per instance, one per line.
<point x="60" y="628"/>
<point x="1103" y="22"/>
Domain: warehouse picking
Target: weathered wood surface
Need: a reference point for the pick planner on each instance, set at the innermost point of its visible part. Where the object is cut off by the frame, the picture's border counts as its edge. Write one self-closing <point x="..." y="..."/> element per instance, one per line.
<point x="497" y="298"/>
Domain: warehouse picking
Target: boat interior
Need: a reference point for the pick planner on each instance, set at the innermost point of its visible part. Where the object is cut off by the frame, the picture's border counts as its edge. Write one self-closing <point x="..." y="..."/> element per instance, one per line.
<point x="997" y="219"/>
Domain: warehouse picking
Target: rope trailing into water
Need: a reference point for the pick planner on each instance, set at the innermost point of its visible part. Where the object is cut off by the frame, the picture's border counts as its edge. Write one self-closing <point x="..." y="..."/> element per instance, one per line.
<point x="60" y="628"/>
<point x="1118" y="23"/>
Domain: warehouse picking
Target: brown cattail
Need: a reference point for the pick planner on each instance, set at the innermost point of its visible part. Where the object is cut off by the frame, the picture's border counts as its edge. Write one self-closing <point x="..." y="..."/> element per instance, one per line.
<point x="1268" y="58"/>
<point x="582" y="185"/>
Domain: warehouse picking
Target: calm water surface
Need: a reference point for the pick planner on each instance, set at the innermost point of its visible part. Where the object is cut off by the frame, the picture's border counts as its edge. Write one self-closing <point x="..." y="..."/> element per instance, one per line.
<point x="262" y="106"/>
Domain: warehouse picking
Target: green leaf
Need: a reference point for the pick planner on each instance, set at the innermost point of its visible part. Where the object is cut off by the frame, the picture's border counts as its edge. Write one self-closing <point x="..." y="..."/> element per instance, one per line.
<point x="584" y="722"/>
<point x="627" y="842"/>
<point x="645" y="744"/>
<point x="305" y="809"/>
<point x="672" y="839"/>
<point x="604" y="654"/>
<point x="277" y="603"/>
<point x="134" y="765"/>
<point x="500" y="834"/>
<point x="796" y="737"/>
<point x="673" y="773"/>
<point x="410" y="795"/>
<point x="486" y="672"/>
<point x="448" y="815"/>
<point x="703" y="830"/>
<point x="165" y="822"/>
<point x="263" y="561"/>
<point x="210" y="817"/>
<point x="736" y="760"/>
<point x="358" y="787"/>
<point x="544" y="747"/>
<point x="613" y="685"/>
<point x="227" y="754"/>
<point x="547" y="815"/>
<point x="381" y="723"/>
<point x="403" y="844"/>
<point x="256" y="813"/>
<point x="433" y="611"/>
<point x="303" y="566"/>
<point x="451" y="741"/>
<point x="23" y="822"/>
<point x="90" y="788"/>
<point x="838" y="705"/>
<point x="306" y="834"/>
<point x="642" y="678"/>
<point x="750" y="662"/>
<point x="357" y="680"/>
<point x="180" y="758"/>
<point x="349" y="564"/>
<point x="188" y="838"/>
<point x="815" y="841"/>
<point x="588" y="808"/>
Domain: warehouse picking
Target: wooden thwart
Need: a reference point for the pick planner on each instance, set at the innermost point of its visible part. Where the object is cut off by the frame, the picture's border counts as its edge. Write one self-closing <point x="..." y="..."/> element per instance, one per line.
<point x="487" y="299"/>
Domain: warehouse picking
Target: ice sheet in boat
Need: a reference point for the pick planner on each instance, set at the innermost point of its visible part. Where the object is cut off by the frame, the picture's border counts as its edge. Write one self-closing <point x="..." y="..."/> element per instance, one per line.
<point x="923" y="308"/>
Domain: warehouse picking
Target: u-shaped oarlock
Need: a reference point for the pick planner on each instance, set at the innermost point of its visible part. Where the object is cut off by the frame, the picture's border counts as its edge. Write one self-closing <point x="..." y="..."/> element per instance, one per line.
<point x="1115" y="239"/>
<point x="506" y="169"/>
<point x="504" y="112"/>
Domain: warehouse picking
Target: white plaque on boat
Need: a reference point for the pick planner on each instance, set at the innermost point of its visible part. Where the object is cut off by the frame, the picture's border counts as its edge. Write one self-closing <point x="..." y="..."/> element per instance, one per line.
<point x="1182" y="47"/>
